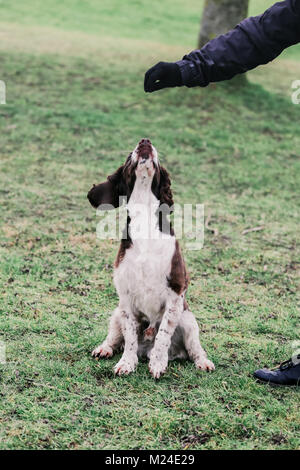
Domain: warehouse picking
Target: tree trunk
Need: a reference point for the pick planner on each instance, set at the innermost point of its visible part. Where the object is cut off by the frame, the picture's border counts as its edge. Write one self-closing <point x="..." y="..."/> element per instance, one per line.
<point x="219" y="17"/>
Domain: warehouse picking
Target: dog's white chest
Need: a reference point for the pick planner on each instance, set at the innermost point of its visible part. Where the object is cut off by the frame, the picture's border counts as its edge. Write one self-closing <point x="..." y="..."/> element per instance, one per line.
<point x="142" y="276"/>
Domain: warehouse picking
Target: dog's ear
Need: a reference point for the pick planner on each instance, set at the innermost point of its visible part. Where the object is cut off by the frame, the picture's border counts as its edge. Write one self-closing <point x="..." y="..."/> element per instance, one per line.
<point x="109" y="192"/>
<point x="165" y="192"/>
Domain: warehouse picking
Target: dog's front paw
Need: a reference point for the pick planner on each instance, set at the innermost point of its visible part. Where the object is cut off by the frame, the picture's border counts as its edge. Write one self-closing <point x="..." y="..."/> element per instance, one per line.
<point x="103" y="351"/>
<point x="125" y="366"/>
<point x="205" y="364"/>
<point x="158" y="366"/>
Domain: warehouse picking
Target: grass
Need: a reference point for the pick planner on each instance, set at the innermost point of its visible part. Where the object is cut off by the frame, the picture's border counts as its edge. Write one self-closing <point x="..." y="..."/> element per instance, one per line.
<point x="75" y="108"/>
<point x="172" y="22"/>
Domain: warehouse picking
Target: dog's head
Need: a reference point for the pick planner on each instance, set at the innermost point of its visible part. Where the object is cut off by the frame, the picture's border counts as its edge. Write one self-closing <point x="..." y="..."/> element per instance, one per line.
<point x="142" y="164"/>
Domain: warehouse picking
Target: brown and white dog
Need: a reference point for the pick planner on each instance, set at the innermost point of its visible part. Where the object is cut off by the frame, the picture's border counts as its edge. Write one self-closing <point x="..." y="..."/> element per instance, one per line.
<point x="152" y="319"/>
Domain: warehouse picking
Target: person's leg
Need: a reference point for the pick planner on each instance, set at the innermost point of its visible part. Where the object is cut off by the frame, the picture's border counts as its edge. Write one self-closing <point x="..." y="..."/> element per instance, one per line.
<point x="288" y="373"/>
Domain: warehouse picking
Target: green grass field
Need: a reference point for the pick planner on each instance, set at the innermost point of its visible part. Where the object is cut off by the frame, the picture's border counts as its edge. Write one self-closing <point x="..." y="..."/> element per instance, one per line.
<point x="75" y="109"/>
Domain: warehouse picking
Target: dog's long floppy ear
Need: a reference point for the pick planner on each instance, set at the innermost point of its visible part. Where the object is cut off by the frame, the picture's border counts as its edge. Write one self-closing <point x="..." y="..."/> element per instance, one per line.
<point x="165" y="192"/>
<point x="109" y="192"/>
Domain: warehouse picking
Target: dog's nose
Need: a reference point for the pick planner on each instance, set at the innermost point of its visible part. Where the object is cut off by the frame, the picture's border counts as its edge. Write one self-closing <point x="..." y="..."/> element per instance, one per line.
<point x="144" y="142"/>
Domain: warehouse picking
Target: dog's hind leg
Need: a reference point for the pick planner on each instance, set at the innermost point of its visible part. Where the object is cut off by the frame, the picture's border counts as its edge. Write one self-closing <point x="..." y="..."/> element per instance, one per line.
<point x="114" y="338"/>
<point x="190" y="331"/>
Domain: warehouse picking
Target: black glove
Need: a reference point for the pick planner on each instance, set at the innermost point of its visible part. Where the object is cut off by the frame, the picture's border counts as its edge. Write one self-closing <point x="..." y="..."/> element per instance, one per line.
<point x="162" y="75"/>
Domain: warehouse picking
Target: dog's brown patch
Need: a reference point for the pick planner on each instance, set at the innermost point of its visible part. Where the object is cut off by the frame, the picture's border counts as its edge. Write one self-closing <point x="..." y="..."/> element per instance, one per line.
<point x="178" y="278"/>
<point x="149" y="333"/>
<point x="125" y="244"/>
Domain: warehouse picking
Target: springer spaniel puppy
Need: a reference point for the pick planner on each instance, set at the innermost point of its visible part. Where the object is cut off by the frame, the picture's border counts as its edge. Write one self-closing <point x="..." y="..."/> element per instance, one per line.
<point x="152" y="319"/>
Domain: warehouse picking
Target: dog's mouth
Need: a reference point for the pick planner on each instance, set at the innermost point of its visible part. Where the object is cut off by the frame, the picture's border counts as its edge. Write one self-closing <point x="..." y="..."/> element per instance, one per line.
<point x="146" y="157"/>
<point x="144" y="150"/>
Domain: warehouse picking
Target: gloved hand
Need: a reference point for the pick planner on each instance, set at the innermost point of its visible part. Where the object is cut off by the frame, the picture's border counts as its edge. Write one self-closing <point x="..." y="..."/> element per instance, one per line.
<point x="162" y="75"/>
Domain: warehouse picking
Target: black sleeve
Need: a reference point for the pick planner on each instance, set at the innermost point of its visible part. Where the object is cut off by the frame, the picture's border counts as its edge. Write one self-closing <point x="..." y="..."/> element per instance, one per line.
<point x="255" y="41"/>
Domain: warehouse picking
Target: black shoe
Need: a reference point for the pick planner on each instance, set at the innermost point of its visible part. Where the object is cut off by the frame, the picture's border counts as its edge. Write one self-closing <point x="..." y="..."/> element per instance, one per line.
<point x="288" y="373"/>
